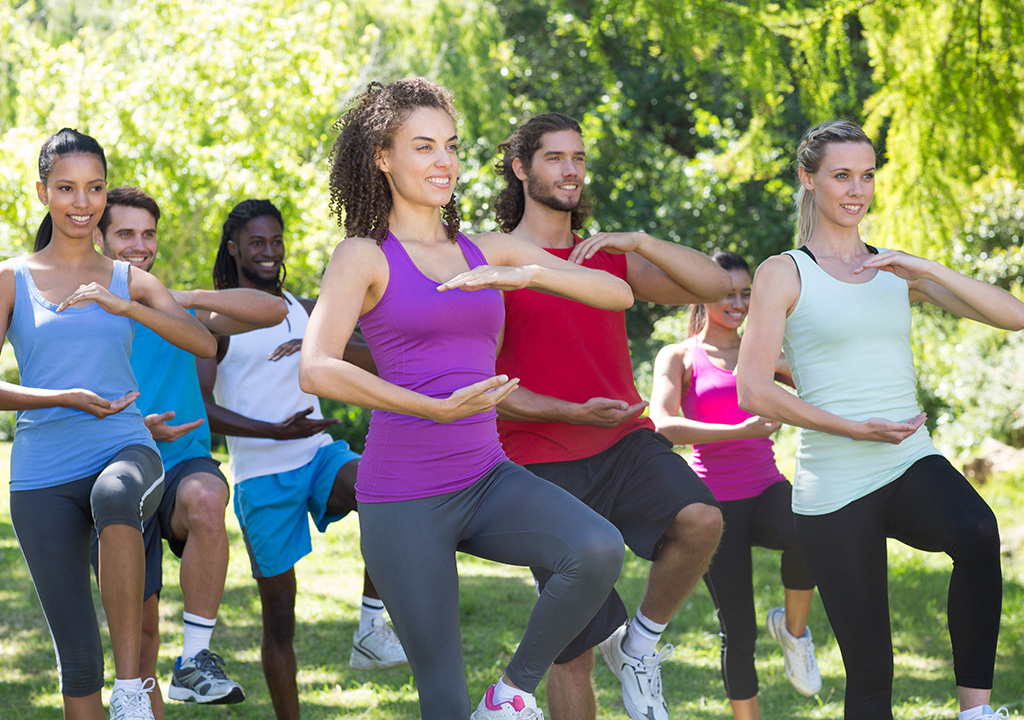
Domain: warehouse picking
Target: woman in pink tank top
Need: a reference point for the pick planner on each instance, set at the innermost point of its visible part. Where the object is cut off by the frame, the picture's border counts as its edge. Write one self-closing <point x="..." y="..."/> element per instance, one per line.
<point x="732" y="453"/>
<point x="434" y="479"/>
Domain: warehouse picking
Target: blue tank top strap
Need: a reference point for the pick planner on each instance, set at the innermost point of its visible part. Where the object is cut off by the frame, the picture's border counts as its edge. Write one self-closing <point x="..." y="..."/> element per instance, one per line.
<point x="119" y="279"/>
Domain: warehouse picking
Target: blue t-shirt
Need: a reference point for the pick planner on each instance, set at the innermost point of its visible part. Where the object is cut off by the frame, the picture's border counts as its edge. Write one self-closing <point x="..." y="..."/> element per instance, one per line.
<point x="81" y="347"/>
<point x="168" y="380"/>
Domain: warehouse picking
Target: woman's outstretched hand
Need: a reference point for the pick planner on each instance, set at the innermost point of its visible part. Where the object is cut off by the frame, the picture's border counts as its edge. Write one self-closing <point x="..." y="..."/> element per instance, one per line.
<point x="475" y="398"/>
<point x="94" y="292"/>
<point x="89" y="402"/>
<point x="489" y="277"/>
<point x="882" y="430"/>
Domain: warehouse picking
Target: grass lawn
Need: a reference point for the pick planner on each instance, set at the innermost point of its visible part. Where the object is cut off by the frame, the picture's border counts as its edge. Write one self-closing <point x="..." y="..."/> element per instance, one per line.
<point x="495" y="603"/>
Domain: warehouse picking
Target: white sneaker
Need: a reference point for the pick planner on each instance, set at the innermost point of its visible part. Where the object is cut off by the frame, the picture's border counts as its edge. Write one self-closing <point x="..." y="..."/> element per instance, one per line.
<point x="988" y="712"/>
<point x="129" y="705"/>
<point x="519" y="709"/>
<point x="377" y="648"/>
<point x="640" y="679"/>
<point x="801" y="665"/>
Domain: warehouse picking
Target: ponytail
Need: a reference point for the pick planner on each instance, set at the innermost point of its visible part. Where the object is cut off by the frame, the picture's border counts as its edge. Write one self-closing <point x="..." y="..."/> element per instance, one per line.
<point x="44" y="233"/>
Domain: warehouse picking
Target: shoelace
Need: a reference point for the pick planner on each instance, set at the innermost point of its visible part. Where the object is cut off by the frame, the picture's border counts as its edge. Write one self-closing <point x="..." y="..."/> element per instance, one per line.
<point x="136" y="703"/>
<point x="805" y="654"/>
<point x="531" y="714"/>
<point x="652" y="664"/>
<point x="1000" y="713"/>
<point x="390" y="638"/>
<point x="211" y="663"/>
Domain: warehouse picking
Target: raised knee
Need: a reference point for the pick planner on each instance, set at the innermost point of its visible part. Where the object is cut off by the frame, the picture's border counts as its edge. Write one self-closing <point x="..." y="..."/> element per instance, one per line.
<point x="697" y="526"/>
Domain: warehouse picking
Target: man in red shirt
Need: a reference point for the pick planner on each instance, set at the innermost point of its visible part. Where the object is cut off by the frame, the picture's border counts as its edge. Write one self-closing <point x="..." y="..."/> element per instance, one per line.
<point x="575" y="419"/>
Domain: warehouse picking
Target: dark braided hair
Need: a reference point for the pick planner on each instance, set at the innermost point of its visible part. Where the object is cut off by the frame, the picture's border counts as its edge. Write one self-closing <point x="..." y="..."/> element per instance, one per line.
<point x="65" y="142"/>
<point x="360" y="194"/>
<point x="225" y="269"/>
<point x="521" y="145"/>
<point x="727" y="261"/>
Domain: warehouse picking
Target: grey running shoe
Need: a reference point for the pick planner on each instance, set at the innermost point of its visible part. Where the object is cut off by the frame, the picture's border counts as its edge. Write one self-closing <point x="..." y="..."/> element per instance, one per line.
<point x="201" y="680"/>
<point x="128" y="705"/>
<point x="801" y="665"/>
<point x="376" y="649"/>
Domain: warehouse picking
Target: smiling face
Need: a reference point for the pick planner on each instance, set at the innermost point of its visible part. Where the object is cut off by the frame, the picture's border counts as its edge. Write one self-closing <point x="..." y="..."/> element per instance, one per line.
<point x="131" y="236"/>
<point x="844" y="184"/>
<point x="259" y="253"/>
<point x="422" y="164"/>
<point x="557" y="171"/>
<point x="730" y="312"/>
<point x="76" y="193"/>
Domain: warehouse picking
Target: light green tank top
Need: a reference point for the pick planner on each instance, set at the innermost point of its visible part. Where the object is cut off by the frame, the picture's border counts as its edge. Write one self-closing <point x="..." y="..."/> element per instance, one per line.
<point x="849" y="349"/>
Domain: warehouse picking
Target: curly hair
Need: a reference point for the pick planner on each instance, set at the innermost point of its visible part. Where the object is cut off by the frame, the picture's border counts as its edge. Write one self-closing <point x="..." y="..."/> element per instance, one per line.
<point x="521" y="145"/>
<point x="225" y="269"/>
<point x="809" y="156"/>
<point x="360" y="195"/>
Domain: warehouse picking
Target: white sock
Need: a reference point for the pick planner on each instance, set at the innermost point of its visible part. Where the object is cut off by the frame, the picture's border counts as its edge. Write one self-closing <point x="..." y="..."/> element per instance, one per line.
<point x="974" y="712"/>
<point x="642" y="636"/>
<point x="198" y="631"/>
<point x="132" y="685"/>
<point x="505" y="693"/>
<point x="372" y="609"/>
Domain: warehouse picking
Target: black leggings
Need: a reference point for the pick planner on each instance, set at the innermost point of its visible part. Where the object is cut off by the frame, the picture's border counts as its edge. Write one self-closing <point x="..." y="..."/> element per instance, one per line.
<point x="930" y="507"/>
<point x="763" y="521"/>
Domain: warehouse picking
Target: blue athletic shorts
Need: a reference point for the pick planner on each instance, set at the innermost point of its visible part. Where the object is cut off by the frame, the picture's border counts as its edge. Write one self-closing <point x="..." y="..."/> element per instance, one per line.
<point x="272" y="510"/>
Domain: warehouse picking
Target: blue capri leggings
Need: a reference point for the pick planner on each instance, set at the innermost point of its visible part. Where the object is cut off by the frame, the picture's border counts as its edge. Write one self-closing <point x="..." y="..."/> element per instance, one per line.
<point x="930" y="507"/>
<point x="54" y="527"/>
<point x="510" y="516"/>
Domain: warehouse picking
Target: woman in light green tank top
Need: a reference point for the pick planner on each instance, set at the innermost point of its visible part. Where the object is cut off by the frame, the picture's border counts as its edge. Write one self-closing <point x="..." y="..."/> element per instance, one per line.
<point x="866" y="467"/>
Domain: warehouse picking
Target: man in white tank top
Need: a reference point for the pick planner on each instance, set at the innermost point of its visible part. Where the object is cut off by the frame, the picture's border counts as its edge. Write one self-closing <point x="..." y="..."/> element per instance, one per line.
<point x="284" y="465"/>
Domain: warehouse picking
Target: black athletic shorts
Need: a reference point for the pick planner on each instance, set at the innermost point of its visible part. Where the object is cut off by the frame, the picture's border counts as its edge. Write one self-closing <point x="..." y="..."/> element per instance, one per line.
<point x="640" y="485"/>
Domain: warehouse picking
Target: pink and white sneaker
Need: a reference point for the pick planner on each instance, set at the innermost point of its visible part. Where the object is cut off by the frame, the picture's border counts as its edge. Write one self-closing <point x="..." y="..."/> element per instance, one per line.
<point x="519" y="709"/>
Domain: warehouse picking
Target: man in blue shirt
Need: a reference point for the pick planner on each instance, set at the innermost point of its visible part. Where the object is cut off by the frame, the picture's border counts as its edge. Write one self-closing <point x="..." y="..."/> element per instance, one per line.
<point x="191" y="514"/>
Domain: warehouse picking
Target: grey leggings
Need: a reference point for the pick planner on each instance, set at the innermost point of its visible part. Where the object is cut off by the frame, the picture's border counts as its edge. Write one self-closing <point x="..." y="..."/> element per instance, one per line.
<point x="510" y="516"/>
<point x="54" y="528"/>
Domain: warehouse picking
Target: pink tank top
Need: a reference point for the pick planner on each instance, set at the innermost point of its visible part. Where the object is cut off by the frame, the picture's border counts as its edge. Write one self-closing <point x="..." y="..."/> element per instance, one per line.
<point x="433" y="343"/>
<point x="732" y="469"/>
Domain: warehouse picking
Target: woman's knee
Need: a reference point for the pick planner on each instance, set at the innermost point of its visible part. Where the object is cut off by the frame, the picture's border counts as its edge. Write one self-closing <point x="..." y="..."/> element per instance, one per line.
<point x="598" y="554"/>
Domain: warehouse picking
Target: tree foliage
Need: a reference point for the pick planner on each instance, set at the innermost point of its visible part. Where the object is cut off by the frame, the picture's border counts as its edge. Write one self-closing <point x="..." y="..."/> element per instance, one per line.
<point x="692" y="110"/>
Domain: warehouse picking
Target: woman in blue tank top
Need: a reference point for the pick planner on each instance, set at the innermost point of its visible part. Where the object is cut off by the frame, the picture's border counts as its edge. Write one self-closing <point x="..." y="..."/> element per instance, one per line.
<point x="866" y="468"/>
<point x="434" y="479"/>
<point x="82" y="456"/>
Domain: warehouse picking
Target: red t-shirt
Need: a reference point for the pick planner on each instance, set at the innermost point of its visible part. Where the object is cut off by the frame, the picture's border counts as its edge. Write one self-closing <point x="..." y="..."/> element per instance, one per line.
<point x="571" y="351"/>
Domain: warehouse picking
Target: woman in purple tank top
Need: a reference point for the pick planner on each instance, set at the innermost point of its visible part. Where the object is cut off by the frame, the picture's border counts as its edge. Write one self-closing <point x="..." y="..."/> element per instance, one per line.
<point x="83" y="459"/>
<point x="733" y="455"/>
<point x="434" y="479"/>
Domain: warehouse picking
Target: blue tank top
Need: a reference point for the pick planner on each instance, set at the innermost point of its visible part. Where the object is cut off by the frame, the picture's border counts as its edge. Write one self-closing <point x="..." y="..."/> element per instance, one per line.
<point x="168" y="380"/>
<point x="81" y="347"/>
<point x="433" y="343"/>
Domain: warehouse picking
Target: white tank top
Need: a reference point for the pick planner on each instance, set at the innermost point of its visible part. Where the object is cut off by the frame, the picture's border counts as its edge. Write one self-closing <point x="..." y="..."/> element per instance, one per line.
<point x="849" y="349"/>
<point x="251" y="385"/>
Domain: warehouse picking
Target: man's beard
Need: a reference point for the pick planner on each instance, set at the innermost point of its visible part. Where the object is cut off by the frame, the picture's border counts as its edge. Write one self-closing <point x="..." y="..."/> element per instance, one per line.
<point x="260" y="281"/>
<point x="549" y="199"/>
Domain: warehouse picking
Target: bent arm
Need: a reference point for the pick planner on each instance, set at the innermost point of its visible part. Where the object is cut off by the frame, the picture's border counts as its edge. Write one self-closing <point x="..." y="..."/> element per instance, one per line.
<point x="352" y="284"/>
<point x="153" y="306"/>
<point x="233" y="310"/>
<point x="540" y="270"/>
<point x="967" y="297"/>
<point x="774" y="293"/>
<point x="672" y="377"/>
<point x="527" y="406"/>
<point x="671" y="274"/>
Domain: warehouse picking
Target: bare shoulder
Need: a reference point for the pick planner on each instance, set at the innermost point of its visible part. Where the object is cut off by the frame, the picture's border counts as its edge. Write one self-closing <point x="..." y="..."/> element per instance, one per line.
<point x="359" y="251"/>
<point x="778" y="278"/>
<point x="7" y="275"/>
<point x="675" y="354"/>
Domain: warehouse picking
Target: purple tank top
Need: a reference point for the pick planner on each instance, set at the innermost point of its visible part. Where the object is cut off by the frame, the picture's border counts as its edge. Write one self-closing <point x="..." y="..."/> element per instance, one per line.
<point x="732" y="469"/>
<point x="432" y="343"/>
